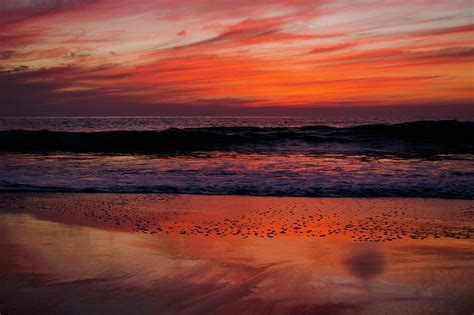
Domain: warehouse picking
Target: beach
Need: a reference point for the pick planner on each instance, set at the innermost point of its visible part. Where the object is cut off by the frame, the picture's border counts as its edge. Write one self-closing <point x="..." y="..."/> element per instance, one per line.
<point x="80" y="253"/>
<point x="236" y="157"/>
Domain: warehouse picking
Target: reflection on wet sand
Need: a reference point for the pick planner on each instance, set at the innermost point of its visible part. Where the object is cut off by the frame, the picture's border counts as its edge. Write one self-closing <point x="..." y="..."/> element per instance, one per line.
<point x="365" y="262"/>
<point x="63" y="263"/>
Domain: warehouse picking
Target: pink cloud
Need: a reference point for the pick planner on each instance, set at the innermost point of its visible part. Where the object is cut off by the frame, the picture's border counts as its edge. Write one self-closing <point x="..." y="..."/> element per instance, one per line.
<point x="278" y="52"/>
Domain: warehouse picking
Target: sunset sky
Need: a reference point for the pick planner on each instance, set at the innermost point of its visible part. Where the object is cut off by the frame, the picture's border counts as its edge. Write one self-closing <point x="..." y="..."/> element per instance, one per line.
<point x="81" y="55"/>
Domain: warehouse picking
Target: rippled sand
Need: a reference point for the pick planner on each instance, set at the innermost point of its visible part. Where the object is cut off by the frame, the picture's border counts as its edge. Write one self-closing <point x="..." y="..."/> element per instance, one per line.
<point x="173" y="254"/>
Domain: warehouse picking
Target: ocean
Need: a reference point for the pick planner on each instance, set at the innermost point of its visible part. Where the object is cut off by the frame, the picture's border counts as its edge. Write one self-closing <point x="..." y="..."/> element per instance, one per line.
<point x="268" y="156"/>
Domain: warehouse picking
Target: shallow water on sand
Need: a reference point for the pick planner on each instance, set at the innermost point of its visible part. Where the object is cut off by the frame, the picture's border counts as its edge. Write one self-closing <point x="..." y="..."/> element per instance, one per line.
<point x="318" y="175"/>
<point x="57" y="260"/>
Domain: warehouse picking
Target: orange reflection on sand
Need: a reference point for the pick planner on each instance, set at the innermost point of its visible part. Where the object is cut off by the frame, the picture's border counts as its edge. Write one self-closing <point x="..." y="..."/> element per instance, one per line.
<point x="74" y="267"/>
<point x="385" y="220"/>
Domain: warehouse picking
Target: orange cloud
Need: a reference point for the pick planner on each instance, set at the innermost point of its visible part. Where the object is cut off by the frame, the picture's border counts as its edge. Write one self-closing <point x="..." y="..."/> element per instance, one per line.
<point x="283" y="53"/>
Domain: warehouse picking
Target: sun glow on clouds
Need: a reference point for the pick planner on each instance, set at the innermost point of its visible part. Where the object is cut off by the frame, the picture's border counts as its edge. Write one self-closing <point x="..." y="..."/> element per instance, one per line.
<point x="304" y="53"/>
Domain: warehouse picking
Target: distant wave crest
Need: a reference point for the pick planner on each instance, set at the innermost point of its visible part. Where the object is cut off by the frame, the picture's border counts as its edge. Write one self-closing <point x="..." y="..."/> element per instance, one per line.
<point x="412" y="137"/>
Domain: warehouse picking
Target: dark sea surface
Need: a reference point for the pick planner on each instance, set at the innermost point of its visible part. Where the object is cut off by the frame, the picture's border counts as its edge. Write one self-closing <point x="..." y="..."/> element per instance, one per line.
<point x="280" y="156"/>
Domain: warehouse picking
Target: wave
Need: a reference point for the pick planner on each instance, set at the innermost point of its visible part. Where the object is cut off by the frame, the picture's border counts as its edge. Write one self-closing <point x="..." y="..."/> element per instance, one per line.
<point x="405" y="138"/>
<point x="336" y="191"/>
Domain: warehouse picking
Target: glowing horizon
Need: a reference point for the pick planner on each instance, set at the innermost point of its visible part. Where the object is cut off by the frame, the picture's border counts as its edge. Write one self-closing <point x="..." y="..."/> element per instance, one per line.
<point x="242" y="53"/>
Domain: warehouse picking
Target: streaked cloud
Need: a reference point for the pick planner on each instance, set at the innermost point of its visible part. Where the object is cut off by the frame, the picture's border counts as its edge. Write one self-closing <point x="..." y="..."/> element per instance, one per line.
<point x="277" y="53"/>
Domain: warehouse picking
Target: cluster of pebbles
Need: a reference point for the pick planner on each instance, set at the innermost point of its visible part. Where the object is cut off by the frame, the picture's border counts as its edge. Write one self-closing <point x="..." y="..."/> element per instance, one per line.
<point x="358" y="221"/>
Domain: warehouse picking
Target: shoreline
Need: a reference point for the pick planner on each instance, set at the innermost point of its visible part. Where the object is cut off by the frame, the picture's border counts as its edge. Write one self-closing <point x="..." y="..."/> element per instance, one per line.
<point x="101" y="192"/>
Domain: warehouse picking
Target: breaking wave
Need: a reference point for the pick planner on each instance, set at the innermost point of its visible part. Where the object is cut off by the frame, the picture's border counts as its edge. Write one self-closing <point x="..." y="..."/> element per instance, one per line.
<point x="420" y="137"/>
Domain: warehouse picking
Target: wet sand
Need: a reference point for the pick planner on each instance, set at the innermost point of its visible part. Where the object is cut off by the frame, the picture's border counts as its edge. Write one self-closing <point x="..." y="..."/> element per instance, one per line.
<point x="185" y="254"/>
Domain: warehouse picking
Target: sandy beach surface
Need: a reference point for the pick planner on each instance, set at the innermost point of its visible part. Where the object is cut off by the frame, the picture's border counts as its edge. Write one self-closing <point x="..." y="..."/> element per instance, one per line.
<point x="185" y="254"/>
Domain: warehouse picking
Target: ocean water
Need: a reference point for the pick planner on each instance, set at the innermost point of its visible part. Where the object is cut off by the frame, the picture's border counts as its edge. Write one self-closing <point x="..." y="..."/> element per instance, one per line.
<point x="279" y="156"/>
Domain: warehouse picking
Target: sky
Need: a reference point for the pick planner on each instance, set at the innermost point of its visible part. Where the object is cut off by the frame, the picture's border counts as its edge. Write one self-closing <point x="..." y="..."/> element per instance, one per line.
<point x="87" y="57"/>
